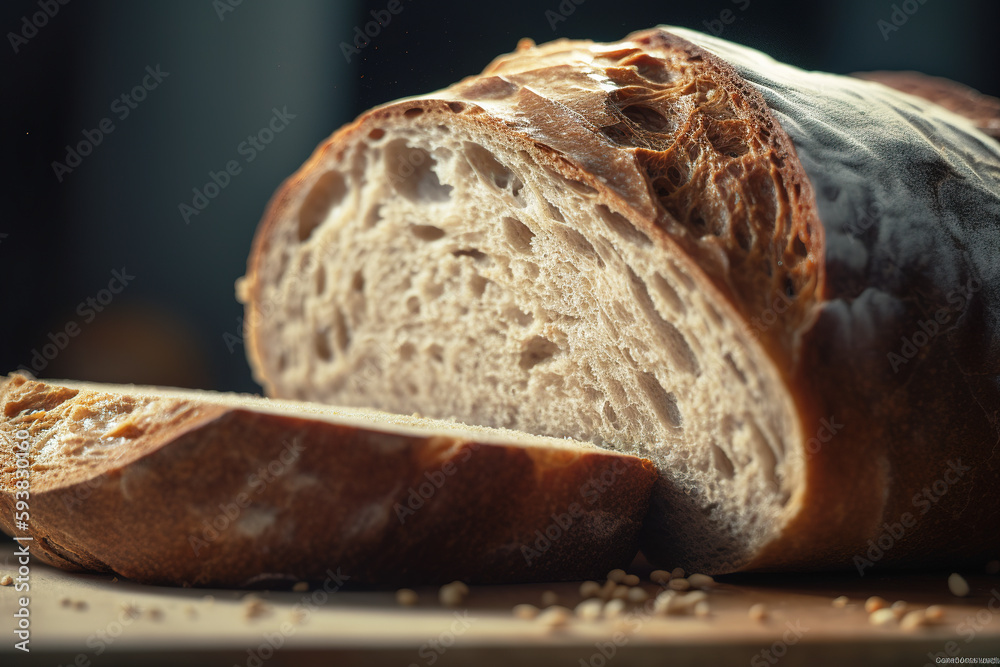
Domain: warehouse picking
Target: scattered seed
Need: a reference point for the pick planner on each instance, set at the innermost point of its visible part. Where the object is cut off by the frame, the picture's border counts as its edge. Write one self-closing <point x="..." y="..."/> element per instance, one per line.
<point x="452" y="595"/>
<point x="883" y="616"/>
<point x="934" y="613"/>
<point x="659" y="576"/>
<point x="679" y="584"/>
<point x="130" y="610"/>
<point x="874" y="603"/>
<point x="614" y="608"/>
<point x="300" y="587"/>
<point x="702" y="609"/>
<point x="701" y="580"/>
<point x="298" y="616"/>
<point x="677" y="572"/>
<point x="957" y="584"/>
<point x="664" y="603"/>
<point x="913" y="620"/>
<point x="525" y="611"/>
<point x="549" y="598"/>
<point x="899" y="608"/>
<point x="254" y="607"/>
<point x="406" y="597"/>
<point x="80" y="605"/>
<point x="66" y="602"/>
<point x="993" y="567"/>
<point x="554" y="617"/>
<point x="616" y="575"/>
<point x="758" y="612"/>
<point x="637" y="595"/>
<point x="607" y="589"/>
<point x="590" y="589"/>
<point x="840" y="602"/>
<point x="630" y="580"/>
<point x="589" y="610"/>
<point x="621" y="592"/>
<point x="6" y="580"/>
<point x="191" y="611"/>
<point x="155" y="614"/>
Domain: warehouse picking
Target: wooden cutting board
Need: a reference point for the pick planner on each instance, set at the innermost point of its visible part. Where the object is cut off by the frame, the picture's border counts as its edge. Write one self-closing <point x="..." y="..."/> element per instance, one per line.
<point x="99" y="620"/>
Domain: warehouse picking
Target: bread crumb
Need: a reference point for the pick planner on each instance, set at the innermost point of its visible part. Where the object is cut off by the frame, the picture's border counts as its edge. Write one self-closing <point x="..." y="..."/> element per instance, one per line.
<point x="993" y="567"/>
<point x="637" y="595"/>
<point x="913" y="620"/>
<point x="957" y="584"/>
<point x="80" y="605"/>
<point x="935" y="612"/>
<point x="664" y="603"/>
<point x="614" y="608"/>
<point x="702" y="609"/>
<point x="874" y="603"/>
<point x="630" y="580"/>
<point x="452" y="595"/>
<point x="883" y="616"/>
<point x="659" y="576"/>
<point x="254" y="607"/>
<point x="757" y="612"/>
<point x="300" y="587"/>
<point x="130" y="610"/>
<point x="406" y="597"/>
<point x="590" y="589"/>
<point x="549" y="598"/>
<point x="525" y="611"/>
<point x="554" y="617"/>
<point x="6" y="580"/>
<point x="589" y="610"/>
<point x="155" y="614"/>
<point x="677" y="572"/>
<point x="679" y="584"/>
<point x="298" y="616"/>
<point x="66" y="602"/>
<point x="841" y="601"/>
<point x="608" y="589"/>
<point x="899" y="608"/>
<point x="616" y="575"/>
<point x="621" y="592"/>
<point x="191" y="611"/>
<point x="701" y="580"/>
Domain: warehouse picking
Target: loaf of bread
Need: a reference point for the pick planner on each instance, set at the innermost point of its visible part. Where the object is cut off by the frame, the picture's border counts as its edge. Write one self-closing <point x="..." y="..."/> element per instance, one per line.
<point x="781" y="286"/>
<point x="205" y="489"/>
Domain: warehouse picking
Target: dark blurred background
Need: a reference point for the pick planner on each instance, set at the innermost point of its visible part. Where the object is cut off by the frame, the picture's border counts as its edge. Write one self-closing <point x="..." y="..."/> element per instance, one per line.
<point x="211" y="74"/>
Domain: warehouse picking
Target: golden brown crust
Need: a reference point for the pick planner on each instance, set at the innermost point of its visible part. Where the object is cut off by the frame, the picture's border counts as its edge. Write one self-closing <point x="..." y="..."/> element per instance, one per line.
<point x="230" y="496"/>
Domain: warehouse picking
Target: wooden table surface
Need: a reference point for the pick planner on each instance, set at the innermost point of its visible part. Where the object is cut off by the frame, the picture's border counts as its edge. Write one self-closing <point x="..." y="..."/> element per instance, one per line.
<point x="97" y="620"/>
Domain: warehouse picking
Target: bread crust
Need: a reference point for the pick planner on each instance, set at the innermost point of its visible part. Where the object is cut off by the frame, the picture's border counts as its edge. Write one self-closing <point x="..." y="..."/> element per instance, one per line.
<point x="228" y="496"/>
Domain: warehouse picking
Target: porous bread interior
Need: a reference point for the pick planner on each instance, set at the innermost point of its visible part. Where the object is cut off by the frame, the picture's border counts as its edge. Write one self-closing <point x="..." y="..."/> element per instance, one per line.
<point x="436" y="268"/>
<point x="76" y="427"/>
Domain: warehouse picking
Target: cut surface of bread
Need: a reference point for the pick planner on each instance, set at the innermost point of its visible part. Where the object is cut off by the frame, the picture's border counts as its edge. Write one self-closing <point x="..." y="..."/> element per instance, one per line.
<point x="200" y="488"/>
<point x="662" y="246"/>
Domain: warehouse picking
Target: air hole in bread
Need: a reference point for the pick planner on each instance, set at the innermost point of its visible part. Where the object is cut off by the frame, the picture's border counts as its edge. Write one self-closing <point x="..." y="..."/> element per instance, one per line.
<point x="407" y="351"/>
<point x="376" y="134"/>
<point x="477" y="285"/>
<point x="556" y="213"/>
<point x="411" y="172"/>
<point x="341" y="331"/>
<point x="650" y="68"/>
<point x="761" y="453"/>
<point x="358" y="281"/>
<point x="736" y="369"/>
<point x="647" y="118"/>
<point x="535" y="351"/>
<point x="413" y="304"/>
<point x="436" y="352"/>
<point x="491" y="170"/>
<point x="621" y="226"/>
<point x="413" y="112"/>
<point x="799" y="248"/>
<point x="662" y="402"/>
<point x="515" y="314"/>
<point x="477" y="256"/>
<point x="728" y="138"/>
<point x="578" y="243"/>
<point x="321" y="341"/>
<point x="328" y="191"/>
<point x="671" y="338"/>
<point x="610" y="416"/>
<point x="373" y="216"/>
<point x="427" y="232"/>
<point x="320" y="279"/>
<point x="668" y="294"/>
<point x="721" y="461"/>
<point x="576" y="186"/>
<point x="456" y="107"/>
<point x="517" y="234"/>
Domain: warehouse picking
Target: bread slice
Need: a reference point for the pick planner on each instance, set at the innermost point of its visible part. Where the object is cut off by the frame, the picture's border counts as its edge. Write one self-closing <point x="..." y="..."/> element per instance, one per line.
<point x="672" y="246"/>
<point x="205" y="489"/>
